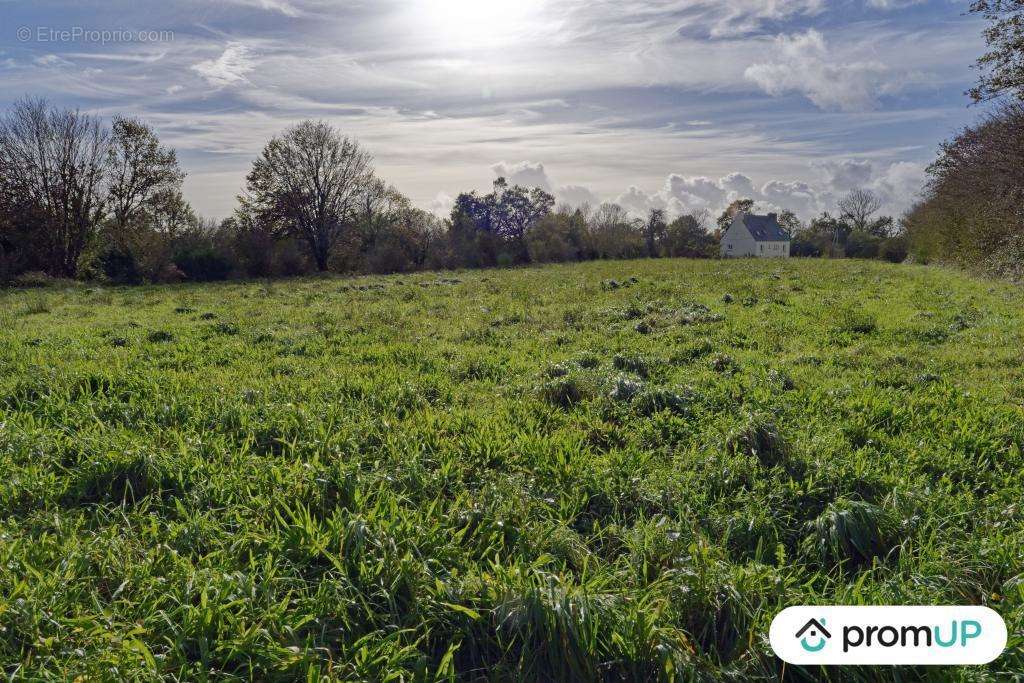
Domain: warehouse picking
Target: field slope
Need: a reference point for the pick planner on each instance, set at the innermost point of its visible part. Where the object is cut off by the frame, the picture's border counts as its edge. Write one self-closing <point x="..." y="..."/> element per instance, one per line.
<point x="598" y="471"/>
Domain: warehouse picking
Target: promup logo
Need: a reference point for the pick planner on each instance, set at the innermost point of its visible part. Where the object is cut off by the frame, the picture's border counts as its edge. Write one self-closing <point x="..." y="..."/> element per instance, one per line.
<point x="888" y="635"/>
<point x="817" y="630"/>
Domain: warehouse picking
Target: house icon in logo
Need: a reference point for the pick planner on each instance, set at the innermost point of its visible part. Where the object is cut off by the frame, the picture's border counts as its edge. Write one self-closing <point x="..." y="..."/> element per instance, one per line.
<point x="814" y="629"/>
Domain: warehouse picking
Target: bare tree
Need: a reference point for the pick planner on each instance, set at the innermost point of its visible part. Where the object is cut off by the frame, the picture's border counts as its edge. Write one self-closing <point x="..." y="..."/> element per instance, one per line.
<point x="309" y="183"/>
<point x="55" y="161"/>
<point x="141" y="170"/>
<point x="859" y="207"/>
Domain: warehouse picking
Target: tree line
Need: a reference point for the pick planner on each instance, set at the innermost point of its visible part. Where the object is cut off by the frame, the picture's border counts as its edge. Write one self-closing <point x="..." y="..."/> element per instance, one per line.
<point x="972" y="211"/>
<point x="79" y="199"/>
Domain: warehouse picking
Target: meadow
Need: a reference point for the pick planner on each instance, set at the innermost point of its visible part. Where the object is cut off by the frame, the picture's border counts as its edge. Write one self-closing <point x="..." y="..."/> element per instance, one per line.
<point x="603" y="471"/>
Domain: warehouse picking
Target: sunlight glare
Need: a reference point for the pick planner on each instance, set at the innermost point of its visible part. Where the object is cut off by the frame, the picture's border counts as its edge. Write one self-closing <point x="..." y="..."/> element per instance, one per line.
<point x="480" y="24"/>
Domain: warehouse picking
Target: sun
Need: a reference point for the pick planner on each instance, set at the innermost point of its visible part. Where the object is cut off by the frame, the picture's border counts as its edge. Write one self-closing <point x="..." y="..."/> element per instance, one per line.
<point x="480" y="24"/>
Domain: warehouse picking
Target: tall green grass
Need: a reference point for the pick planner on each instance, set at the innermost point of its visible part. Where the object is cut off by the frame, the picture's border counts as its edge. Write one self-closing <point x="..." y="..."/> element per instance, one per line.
<point x="524" y="474"/>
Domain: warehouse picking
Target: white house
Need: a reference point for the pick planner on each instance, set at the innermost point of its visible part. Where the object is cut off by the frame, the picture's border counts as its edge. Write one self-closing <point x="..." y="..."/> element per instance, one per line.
<point x="758" y="236"/>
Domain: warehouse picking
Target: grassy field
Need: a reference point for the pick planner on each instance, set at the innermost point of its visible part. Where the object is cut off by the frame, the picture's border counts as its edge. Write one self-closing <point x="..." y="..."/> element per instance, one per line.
<point x="599" y="471"/>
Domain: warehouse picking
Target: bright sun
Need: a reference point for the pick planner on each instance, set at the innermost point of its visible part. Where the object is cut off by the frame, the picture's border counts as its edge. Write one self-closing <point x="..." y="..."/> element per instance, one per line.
<point x="480" y="24"/>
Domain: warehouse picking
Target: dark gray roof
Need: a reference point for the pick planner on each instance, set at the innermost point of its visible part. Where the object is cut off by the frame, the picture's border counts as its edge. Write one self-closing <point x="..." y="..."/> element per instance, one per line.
<point x="765" y="228"/>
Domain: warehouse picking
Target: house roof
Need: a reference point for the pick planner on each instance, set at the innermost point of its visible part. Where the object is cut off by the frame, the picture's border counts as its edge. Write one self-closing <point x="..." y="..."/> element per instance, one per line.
<point x="765" y="228"/>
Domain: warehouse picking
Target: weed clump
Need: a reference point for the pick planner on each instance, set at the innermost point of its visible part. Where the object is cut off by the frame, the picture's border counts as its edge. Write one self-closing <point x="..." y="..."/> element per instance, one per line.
<point x="588" y="360"/>
<point x="757" y="437"/>
<point x="656" y="400"/>
<point x="625" y="389"/>
<point x="856" y="322"/>
<point x="697" y="314"/>
<point x="160" y="336"/>
<point x="723" y="364"/>
<point x="569" y="390"/>
<point x="692" y="351"/>
<point x="637" y="365"/>
<point x="854" y="532"/>
<point x="780" y="381"/>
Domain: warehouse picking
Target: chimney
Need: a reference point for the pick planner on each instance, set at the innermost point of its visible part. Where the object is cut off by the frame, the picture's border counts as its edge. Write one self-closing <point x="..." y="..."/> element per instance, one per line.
<point x="773" y="217"/>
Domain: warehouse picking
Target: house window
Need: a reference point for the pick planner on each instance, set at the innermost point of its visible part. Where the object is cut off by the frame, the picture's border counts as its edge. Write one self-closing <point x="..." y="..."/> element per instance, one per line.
<point x="762" y="248"/>
<point x="730" y="247"/>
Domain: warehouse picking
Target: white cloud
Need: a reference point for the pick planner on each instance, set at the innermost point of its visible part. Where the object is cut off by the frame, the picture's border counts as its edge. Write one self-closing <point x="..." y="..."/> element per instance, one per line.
<point x="803" y="64"/>
<point x="847" y="174"/>
<point x="441" y="205"/>
<point x="577" y="195"/>
<point x="524" y="173"/>
<point x="228" y="69"/>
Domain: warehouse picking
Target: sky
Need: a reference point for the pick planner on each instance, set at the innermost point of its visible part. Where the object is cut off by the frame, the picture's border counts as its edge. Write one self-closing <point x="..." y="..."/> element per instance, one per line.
<point x="675" y="104"/>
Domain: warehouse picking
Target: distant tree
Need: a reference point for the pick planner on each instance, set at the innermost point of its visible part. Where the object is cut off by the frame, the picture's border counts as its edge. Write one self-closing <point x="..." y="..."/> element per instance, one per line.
<point x="858" y="208"/>
<point x="54" y="161"/>
<point x="789" y="222"/>
<point x="558" y="237"/>
<point x="654" y="231"/>
<point x="507" y="213"/>
<point x="309" y="183"/>
<point x="835" y="230"/>
<point x="1002" y="66"/>
<point x="688" y="237"/>
<point x="140" y="170"/>
<point x="170" y="213"/>
<point x="738" y="206"/>
<point x="613" y="233"/>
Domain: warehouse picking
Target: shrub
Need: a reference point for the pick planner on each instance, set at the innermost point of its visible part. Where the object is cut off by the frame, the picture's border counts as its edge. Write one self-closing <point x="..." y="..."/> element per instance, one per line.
<point x="117" y="266"/>
<point x="203" y="264"/>
<point x="33" y="279"/>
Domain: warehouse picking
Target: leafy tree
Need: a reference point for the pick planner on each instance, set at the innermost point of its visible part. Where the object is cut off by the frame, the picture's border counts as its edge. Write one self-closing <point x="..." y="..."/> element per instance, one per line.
<point x="972" y="213"/>
<point x="558" y="237"/>
<point x="789" y="222"/>
<point x="655" y="231"/>
<point x="688" y="237"/>
<point x="508" y="213"/>
<point x="140" y="171"/>
<point x="1002" y="66"/>
<point x="738" y="206"/>
<point x="837" y="231"/>
<point x="309" y="183"/>
<point x="613" y="233"/>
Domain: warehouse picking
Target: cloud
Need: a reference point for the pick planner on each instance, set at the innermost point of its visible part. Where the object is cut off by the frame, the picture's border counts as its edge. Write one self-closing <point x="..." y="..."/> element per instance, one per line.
<point x="50" y="60"/>
<point x="441" y="205"/>
<point x="847" y="174"/>
<point x="803" y="65"/>
<point x="533" y="174"/>
<point x="524" y="173"/>
<point x="228" y="69"/>
<point x="897" y="185"/>
<point x="577" y="195"/>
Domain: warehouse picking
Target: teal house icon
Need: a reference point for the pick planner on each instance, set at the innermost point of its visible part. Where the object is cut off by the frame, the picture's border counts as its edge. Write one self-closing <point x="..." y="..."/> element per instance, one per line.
<point x="817" y="633"/>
